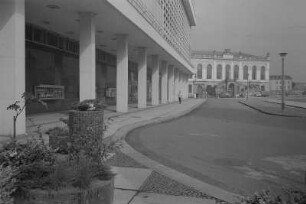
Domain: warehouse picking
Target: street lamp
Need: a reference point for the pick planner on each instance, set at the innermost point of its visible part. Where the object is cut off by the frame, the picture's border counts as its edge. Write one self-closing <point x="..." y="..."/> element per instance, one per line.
<point x="247" y="85"/>
<point x="283" y="55"/>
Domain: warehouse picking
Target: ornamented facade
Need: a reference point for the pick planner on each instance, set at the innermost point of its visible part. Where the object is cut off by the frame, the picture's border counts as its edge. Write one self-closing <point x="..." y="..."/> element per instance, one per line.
<point x="228" y="73"/>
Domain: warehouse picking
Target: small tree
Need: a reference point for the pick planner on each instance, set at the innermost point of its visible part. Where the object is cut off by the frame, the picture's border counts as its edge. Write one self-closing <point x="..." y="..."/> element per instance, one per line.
<point x="19" y="106"/>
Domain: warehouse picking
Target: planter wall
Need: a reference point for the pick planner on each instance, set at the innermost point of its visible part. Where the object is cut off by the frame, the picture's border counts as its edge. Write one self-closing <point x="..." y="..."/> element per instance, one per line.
<point x="86" y="123"/>
<point x="101" y="192"/>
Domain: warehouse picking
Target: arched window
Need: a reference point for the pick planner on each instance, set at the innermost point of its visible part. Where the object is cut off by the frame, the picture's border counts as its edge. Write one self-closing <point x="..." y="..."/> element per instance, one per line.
<point x="227" y="71"/>
<point x="245" y="72"/>
<point x="199" y="71"/>
<point x="209" y="71"/>
<point x="263" y="73"/>
<point x="254" y="68"/>
<point x="236" y="72"/>
<point x="219" y="71"/>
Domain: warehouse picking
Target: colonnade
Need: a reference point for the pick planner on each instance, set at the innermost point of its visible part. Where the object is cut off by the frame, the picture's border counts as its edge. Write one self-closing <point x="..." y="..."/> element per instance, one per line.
<point x="238" y="71"/>
<point x="12" y="63"/>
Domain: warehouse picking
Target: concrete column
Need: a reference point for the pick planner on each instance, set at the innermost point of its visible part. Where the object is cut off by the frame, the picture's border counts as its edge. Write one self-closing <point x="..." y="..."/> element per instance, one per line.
<point x="180" y="82"/>
<point x="164" y="82"/>
<point x="142" y="77"/>
<point x="232" y="71"/>
<point x="250" y="72"/>
<point x="204" y="72"/>
<point x="12" y="63"/>
<point x="155" y="80"/>
<point x="240" y="71"/>
<point x="223" y="71"/>
<point x="267" y="72"/>
<point x="122" y="74"/>
<point x="170" y="83"/>
<point x="214" y="71"/>
<point x="176" y="83"/>
<point x="87" y="56"/>
<point x="258" y="73"/>
<point x="185" y="85"/>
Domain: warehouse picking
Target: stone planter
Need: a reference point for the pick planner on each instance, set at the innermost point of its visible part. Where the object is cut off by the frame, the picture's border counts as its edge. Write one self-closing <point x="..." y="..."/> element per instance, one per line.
<point x="100" y="192"/>
<point x="86" y="130"/>
<point x="86" y="123"/>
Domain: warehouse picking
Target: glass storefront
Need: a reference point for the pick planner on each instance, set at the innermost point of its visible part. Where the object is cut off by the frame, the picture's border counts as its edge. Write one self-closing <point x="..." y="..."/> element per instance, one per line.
<point x="52" y="71"/>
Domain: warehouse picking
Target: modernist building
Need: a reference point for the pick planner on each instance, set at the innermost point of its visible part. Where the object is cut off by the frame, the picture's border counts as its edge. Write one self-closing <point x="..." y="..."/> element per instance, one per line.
<point x="123" y="51"/>
<point x="228" y="73"/>
<point x="276" y="83"/>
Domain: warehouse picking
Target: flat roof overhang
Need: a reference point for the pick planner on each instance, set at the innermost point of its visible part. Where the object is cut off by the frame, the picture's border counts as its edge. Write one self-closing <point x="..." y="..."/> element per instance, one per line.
<point x="189" y="8"/>
<point x="62" y="16"/>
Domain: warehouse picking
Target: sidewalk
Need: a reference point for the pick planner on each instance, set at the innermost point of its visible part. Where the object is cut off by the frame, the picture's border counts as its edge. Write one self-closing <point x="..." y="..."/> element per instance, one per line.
<point x="273" y="107"/>
<point x="140" y="180"/>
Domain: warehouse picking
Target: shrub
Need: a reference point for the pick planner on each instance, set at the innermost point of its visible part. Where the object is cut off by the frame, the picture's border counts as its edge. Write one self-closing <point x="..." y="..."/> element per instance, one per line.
<point x="59" y="139"/>
<point x="289" y="196"/>
<point x="89" y="105"/>
<point x="24" y="166"/>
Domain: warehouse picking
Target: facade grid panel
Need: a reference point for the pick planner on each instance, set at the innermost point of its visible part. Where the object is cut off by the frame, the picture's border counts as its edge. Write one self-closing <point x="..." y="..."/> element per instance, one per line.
<point x="169" y="19"/>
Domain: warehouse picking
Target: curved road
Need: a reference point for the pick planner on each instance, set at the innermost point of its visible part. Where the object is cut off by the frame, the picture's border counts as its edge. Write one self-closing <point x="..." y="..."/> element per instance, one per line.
<point x="231" y="146"/>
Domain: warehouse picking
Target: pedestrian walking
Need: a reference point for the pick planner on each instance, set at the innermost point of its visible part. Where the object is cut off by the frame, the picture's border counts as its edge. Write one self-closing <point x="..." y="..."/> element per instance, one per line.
<point x="180" y="97"/>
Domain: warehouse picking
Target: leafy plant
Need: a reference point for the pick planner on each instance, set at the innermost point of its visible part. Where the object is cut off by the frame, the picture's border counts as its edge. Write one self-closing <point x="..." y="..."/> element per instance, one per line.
<point x="89" y="105"/>
<point x="289" y="196"/>
<point x="24" y="166"/>
<point x="19" y="106"/>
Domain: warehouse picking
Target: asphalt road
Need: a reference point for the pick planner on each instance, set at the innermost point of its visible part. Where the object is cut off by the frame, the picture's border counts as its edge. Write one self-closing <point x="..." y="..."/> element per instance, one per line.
<point x="229" y="145"/>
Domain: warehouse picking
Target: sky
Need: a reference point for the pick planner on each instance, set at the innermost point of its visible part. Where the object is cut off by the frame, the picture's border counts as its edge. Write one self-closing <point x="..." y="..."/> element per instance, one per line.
<point x="255" y="27"/>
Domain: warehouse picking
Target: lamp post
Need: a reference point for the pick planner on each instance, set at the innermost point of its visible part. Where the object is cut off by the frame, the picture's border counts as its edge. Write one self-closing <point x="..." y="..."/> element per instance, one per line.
<point x="247" y="85"/>
<point x="283" y="55"/>
<point x="194" y="80"/>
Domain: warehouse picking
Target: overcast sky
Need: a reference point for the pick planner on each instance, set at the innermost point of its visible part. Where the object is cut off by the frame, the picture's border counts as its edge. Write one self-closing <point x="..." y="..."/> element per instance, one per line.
<point x="255" y="27"/>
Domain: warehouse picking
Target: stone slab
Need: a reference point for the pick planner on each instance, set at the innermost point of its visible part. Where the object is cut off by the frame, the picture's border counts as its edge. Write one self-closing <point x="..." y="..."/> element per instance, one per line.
<point x="130" y="178"/>
<point x="123" y="196"/>
<point x="150" y="198"/>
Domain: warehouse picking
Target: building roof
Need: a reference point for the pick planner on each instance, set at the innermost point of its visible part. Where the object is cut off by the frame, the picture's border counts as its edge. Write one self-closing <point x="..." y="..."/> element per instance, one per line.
<point x="279" y="77"/>
<point x="227" y="54"/>
<point x="189" y="8"/>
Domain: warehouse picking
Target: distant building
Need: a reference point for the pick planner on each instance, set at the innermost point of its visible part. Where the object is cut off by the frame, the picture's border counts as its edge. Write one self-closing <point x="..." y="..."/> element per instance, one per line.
<point x="276" y="83"/>
<point x="228" y="73"/>
<point x="299" y="86"/>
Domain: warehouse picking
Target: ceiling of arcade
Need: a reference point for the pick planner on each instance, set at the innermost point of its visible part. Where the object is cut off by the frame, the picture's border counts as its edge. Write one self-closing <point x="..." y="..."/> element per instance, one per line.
<point x="62" y="16"/>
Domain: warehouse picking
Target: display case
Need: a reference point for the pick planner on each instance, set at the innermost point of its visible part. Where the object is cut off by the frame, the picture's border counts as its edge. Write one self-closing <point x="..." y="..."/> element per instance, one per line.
<point x="111" y="92"/>
<point x="49" y="92"/>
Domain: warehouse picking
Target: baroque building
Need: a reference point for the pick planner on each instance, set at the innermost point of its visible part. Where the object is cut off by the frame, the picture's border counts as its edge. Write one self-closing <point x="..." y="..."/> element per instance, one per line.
<point x="228" y="73"/>
<point x="120" y="51"/>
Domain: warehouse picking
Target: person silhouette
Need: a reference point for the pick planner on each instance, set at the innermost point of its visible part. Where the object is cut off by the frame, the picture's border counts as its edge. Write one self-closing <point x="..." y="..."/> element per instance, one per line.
<point x="180" y="97"/>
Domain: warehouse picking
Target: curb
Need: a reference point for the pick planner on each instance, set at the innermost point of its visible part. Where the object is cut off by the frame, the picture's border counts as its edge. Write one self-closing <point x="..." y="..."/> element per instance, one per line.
<point x="144" y="109"/>
<point x="270" y="113"/>
<point x="287" y="104"/>
<point x="121" y="133"/>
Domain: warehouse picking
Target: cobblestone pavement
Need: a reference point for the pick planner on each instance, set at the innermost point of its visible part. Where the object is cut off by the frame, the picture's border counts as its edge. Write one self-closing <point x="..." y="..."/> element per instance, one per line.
<point x="157" y="183"/>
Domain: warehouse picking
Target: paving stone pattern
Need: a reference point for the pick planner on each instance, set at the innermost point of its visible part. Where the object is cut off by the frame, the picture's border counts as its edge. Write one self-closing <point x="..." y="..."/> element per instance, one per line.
<point x="157" y="183"/>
